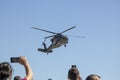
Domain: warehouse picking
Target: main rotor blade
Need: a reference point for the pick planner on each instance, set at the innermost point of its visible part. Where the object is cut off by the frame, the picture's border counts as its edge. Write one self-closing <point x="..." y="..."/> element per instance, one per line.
<point x="44" y="30"/>
<point x="79" y="36"/>
<point x="68" y="29"/>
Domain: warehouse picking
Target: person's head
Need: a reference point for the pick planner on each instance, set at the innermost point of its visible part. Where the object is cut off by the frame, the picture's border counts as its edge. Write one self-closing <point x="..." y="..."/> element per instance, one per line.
<point x="93" y="77"/>
<point x="17" y="78"/>
<point x="5" y="71"/>
<point x="73" y="73"/>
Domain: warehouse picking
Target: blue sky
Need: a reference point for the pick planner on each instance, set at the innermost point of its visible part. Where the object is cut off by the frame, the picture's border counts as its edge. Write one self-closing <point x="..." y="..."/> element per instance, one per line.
<point x="97" y="20"/>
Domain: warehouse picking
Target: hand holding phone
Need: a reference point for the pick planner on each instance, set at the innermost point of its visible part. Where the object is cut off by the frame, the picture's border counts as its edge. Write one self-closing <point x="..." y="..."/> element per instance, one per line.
<point x="15" y="59"/>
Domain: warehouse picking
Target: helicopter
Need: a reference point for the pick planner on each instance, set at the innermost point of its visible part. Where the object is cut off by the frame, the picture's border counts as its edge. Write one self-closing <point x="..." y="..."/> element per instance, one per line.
<point x="57" y="40"/>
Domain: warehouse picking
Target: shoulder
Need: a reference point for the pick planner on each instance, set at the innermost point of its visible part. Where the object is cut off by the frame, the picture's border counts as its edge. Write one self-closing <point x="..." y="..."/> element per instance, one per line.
<point x="24" y="79"/>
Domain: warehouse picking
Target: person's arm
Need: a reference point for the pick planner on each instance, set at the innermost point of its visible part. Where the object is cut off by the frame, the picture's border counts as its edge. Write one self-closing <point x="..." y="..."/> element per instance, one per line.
<point x="29" y="73"/>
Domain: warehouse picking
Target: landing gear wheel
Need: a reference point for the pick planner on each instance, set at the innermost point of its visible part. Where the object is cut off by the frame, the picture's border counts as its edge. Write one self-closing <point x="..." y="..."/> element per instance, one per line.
<point x="65" y="45"/>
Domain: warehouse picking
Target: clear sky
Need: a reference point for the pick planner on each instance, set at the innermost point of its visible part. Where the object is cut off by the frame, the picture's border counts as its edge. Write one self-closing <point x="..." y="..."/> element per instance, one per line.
<point x="97" y="20"/>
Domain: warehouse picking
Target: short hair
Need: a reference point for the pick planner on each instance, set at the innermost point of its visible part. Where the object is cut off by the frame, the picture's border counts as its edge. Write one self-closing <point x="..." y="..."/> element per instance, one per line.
<point x="90" y="77"/>
<point x="73" y="73"/>
<point x="5" y="70"/>
<point x="17" y="78"/>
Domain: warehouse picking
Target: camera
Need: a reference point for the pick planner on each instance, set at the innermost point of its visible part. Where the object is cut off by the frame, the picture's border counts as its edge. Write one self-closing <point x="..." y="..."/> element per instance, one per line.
<point x="14" y="59"/>
<point x="74" y="66"/>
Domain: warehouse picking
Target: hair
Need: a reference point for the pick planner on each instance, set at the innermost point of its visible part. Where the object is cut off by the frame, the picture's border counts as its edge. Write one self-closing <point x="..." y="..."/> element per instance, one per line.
<point x="5" y="71"/>
<point x="73" y="73"/>
<point x="17" y="78"/>
<point x="90" y="77"/>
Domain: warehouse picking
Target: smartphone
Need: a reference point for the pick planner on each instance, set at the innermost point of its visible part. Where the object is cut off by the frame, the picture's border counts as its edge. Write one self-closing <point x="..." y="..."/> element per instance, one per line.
<point x="14" y="59"/>
<point x="74" y="66"/>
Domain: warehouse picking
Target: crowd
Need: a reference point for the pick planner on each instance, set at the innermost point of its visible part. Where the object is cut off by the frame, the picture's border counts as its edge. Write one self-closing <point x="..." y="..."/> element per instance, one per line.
<point x="73" y="74"/>
<point x="6" y="71"/>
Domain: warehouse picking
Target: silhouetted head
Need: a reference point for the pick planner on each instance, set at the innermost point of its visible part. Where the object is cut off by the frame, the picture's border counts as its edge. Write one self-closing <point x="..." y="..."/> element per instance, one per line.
<point x="73" y="73"/>
<point x="5" y="71"/>
<point x="17" y="78"/>
<point x="93" y="77"/>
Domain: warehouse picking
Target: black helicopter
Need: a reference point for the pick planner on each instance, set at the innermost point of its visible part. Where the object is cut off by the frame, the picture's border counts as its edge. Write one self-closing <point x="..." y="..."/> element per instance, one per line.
<point x="57" y="40"/>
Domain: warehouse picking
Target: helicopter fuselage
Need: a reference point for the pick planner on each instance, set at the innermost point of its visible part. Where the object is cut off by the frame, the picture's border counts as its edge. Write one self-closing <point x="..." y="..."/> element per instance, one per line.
<point x="57" y="41"/>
